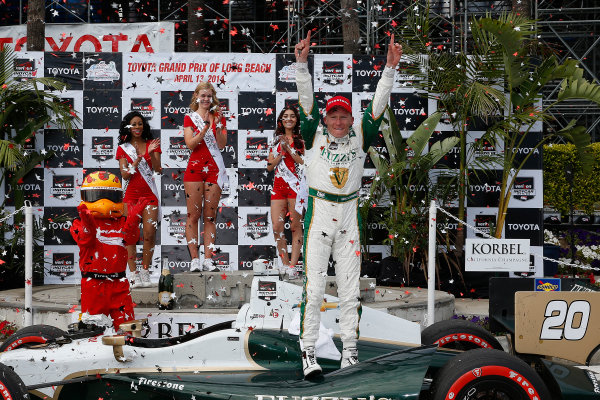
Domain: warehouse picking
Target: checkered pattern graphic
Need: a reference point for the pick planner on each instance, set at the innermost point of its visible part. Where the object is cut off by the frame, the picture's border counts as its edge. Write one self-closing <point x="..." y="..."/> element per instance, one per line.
<point x="252" y="88"/>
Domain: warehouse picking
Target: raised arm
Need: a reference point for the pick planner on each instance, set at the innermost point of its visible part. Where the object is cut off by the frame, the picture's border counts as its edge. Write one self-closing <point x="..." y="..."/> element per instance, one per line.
<point x="309" y="112"/>
<point x="372" y="116"/>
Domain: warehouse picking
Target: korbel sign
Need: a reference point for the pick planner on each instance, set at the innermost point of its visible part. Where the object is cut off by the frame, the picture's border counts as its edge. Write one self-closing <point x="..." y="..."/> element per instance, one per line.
<point x="497" y="255"/>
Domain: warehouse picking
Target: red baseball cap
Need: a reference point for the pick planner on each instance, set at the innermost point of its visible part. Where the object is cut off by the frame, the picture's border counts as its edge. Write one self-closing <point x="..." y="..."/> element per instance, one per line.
<point x="339" y="101"/>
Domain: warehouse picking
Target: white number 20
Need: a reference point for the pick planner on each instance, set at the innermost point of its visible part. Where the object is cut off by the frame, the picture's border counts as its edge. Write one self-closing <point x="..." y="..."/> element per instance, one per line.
<point x="553" y="329"/>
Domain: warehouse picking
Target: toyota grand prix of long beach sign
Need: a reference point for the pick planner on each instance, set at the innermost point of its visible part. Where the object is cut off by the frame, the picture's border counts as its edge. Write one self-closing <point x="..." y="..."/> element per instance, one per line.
<point x="155" y="37"/>
<point x="502" y="255"/>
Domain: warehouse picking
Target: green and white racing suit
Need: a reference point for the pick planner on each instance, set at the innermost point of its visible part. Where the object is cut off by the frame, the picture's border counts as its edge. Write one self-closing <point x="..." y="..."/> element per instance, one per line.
<point x="334" y="170"/>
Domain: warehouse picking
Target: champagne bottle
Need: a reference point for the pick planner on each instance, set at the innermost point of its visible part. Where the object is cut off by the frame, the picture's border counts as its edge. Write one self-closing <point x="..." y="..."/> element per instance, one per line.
<point x="165" y="287"/>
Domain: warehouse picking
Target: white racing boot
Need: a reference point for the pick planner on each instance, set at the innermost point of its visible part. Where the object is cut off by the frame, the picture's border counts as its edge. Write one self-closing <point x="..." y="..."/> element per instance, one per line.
<point x="310" y="366"/>
<point x="349" y="357"/>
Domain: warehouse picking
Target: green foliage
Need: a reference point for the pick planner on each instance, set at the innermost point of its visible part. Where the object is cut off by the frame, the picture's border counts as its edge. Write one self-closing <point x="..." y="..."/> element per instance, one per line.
<point x="403" y="185"/>
<point x="499" y="82"/>
<point x="586" y="186"/>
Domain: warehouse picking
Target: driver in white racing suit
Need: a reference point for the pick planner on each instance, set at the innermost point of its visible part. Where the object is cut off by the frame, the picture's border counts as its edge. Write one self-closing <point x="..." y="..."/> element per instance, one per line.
<point x="334" y="170"/>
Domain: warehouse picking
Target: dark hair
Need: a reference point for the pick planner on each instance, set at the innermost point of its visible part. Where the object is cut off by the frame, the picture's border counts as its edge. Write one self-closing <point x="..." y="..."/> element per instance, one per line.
<point x="125" y="129"/>
<point x="280" y="130"/>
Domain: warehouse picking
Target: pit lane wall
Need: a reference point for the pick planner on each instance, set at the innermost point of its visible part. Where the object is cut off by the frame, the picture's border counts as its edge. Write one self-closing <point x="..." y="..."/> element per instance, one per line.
<point x="253" y="88"/>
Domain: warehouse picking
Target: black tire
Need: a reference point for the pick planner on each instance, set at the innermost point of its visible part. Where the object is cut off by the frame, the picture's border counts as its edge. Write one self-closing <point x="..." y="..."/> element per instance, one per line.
<point x="487" y="374"/>
<point x="12" y="386"/>
<point x="460" y="335"/>
<point x="31" y="336"/>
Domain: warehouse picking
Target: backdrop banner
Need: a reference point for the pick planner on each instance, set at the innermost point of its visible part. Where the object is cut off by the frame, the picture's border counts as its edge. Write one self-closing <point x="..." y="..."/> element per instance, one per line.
<point x="149" y="37"/>
<point x="252" y="88"/>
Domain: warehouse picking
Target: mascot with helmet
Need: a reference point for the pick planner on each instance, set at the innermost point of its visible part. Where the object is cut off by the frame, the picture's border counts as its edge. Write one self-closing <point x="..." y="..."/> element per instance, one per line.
<point x="102" y="234"/>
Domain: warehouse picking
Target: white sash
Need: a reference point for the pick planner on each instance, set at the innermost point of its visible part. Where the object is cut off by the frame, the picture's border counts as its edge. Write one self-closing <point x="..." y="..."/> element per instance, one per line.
<point x="211" y="143"/>
<point x="284" y="172"/>
<point x="143" y="167"/>
<point x="298" y="185"/>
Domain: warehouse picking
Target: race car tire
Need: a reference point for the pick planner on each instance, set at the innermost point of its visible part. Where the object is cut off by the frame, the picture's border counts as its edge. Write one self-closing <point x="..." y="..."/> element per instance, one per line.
<point x="31" y="336"/>
<point x="460" y="335"/>
<point x="11" y="386"/>
<point x="486" y="374"/>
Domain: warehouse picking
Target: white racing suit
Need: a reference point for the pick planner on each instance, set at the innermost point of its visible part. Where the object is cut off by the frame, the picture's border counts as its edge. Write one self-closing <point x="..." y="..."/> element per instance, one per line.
<point x="334" y="170"/>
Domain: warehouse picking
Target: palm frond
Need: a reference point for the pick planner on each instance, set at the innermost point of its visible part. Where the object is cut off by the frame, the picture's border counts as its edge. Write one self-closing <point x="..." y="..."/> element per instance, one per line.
<point x="10" y="155"/>
<point x="579" y="88"/>
<point x="420" y="137"/>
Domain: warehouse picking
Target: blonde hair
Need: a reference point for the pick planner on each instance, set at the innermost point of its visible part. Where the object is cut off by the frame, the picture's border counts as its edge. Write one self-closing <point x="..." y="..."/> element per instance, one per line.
<point x="214" y="105"/>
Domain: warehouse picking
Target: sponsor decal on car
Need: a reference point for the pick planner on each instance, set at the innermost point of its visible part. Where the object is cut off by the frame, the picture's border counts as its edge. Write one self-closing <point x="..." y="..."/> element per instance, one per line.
<point x="160" y="384"/>
<point x="267" y="290"/>
<point x="292" y="397"/>
<point x="547" y="285"/>
<point x="594" y="380"/>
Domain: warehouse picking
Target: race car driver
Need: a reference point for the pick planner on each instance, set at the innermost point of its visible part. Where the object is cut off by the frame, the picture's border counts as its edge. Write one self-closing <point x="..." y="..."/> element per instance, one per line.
<point x="102" y="233"/>
<point x="331" y="226"/>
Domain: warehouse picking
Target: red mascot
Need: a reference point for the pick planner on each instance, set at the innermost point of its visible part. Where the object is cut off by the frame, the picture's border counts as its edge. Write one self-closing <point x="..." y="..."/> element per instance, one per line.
<point x="102" y="235"/>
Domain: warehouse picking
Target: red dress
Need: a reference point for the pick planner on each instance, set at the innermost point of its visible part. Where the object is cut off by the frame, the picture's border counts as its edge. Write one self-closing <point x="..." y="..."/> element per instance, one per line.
<point x="102" y="261"/>
<point x="137" y="186"/>
<point x="281" y="189"/>
<point x="201" y="165"/>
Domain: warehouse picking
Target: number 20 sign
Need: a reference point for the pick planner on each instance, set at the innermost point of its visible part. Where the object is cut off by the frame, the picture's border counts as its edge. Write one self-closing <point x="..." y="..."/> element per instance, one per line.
<point x="560" y="324"/>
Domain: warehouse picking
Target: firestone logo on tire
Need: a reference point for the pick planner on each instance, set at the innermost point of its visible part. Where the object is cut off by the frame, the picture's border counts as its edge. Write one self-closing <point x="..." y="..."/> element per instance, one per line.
<point x="477" y="372"/>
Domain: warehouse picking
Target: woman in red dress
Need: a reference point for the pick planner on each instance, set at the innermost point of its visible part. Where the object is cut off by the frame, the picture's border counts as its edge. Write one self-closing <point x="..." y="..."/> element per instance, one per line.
<point x="205" y="134"/>
<point x="289" y="148"/>
<point x="139" y="158"/>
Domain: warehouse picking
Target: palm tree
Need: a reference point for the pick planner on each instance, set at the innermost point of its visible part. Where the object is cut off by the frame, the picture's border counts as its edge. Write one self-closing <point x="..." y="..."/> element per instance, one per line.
<point x="464" y="87"/>
<point x="350" y="26"/>
<point x="500" y="82"/>
<point x="408" y="167"/>
<point x="525" y="70"/>
<point x="36" y="28"/>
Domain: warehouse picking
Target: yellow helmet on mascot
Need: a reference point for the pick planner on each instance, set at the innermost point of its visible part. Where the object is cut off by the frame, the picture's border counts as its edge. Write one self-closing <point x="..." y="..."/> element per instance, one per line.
<point x="102" y="194"/>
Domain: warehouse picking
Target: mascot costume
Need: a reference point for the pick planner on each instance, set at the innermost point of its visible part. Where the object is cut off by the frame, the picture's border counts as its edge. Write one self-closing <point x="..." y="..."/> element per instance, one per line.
<point x="102" y="232"/>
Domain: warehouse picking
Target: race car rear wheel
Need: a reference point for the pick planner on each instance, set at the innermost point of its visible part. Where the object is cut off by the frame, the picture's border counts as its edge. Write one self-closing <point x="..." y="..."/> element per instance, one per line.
<point x="488" y="374"/>
<point x="460" y="335"/>
<point x="11" y="386"/>
<point x="31" y="336"/>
